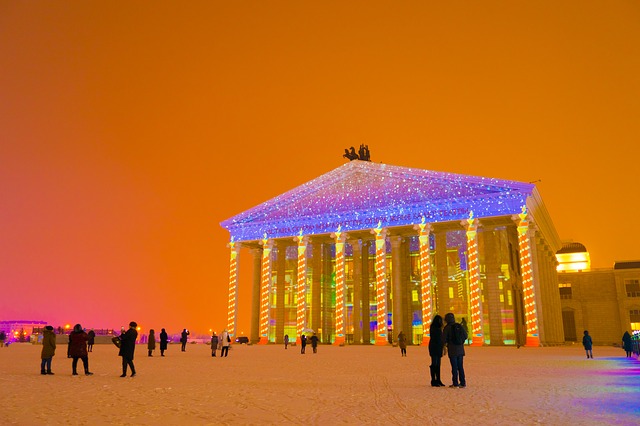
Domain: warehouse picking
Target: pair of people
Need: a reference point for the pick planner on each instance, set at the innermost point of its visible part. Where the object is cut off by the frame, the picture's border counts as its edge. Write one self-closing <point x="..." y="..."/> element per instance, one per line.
<point x="224" y="341"/>
<point x="449" y="340"/>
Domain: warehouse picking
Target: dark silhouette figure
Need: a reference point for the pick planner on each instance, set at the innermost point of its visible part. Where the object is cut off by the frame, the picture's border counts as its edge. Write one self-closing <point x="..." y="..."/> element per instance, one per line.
<point x="151" y="344"/>
<point x="436" y="345"/>
<point x="588" y="344"/>
<point x="626" y="344"/>
<point x="78" y="349"/>
<point x="455" y="350"/>
<point x="463" y="323"/>
<point x="402" y="342"/>
<point x="286" y="341"/>
<point x="348" y="155"/>
<point x="214" y="344"/>
<point x="362" y="154"/>
<point x="164" y="341"/>
<point x="91" y="341"/>
<point x="48" y="350"/>
<point x="127" y="348"/>
<point x="183" y="339"/>
<point x="314" y="343"/>
<point x="3" y="337"/>
<point x="303" y="343"/>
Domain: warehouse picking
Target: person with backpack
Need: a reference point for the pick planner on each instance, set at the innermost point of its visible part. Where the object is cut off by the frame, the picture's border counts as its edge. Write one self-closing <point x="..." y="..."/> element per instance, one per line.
<point x="454" y="338"/>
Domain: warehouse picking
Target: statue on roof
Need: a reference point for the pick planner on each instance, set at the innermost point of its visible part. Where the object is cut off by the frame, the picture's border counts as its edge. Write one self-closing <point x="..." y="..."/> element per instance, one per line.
<point x="363" y="153"/>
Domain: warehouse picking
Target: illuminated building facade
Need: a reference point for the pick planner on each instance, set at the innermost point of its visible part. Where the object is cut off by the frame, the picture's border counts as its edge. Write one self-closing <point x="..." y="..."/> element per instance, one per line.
<point x="606" y="301"/>
<point x="368" y="250"/>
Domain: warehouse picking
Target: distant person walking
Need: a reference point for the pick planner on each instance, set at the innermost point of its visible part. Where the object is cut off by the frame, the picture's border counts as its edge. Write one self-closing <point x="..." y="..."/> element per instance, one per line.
<point x="3" y="337"/>
<point x="78" y="349"/>
<point x="183" y="339"/>
<point x="226" y="342"/>
<point x="48" y="349"/>
<point x="286" y="341"/>
<point x="127" y="348"/>
<point x="454" y="338"/>
<point x="214" y="344"/>
<point x="436" y="345"/>
<point x="314" y="343"/>
<point x="626" y="344"/>
<point x="151" y="344"/>
<point x="402" y="342"/>
<point x="588" y="344"/>
<point x="91" y="340"/>
<point x="303" y="343"/>
<point x="164" y="341"/>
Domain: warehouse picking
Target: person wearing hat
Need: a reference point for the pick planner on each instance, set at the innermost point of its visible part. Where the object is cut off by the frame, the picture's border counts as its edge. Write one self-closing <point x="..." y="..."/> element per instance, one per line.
<point x="78" y="349"/>
<point x="48" y="349"/>
<point x="127" y="348"/>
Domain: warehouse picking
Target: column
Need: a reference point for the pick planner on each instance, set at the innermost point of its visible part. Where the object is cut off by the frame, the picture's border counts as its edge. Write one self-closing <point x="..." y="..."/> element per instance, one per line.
<point x="397" y="315"/>
<point x="358" y="303"/>
<point x="340" y="238"/>
<point x="255" y="295"/>
<point x="492" y="289"/>
<point x="530" y="312"/>
<point x="301" y="289"/>
<point x="316" y="286"/>
<point x="425" y="279"/>
<point x="232" y="306"/>
<point x="475" y="299"/>
<point x="281" y="265"/>
<point x="442" y="273"/>
<point x="265" y="289"/>
<point x="381" y="284"/>
<point x="366" y="295"/>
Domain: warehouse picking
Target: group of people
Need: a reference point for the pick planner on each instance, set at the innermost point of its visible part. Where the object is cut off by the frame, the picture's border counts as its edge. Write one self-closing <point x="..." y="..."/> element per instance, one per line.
<point x="221" y="342"/>
<point x="81" y="343"/>
<point x="450" y="341"/>
<point x="303" y="342"/>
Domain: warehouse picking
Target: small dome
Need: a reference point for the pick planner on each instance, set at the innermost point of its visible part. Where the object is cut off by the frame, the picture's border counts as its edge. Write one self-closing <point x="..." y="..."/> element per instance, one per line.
<point x="572" y="248"/>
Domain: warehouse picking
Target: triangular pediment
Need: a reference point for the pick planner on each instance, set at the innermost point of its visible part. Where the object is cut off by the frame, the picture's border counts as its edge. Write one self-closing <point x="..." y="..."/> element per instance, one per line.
<point x="359" y="194"/>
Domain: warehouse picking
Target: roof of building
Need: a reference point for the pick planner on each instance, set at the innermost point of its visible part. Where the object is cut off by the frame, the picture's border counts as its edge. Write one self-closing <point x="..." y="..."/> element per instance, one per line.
<point x="572" y="248"/>
<point x="627" y="264"/>
<point x="361" y="195"/>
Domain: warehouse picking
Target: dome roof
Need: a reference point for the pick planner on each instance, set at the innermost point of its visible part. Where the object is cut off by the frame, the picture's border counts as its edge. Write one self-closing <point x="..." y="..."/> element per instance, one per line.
<point x="572" y="248"/>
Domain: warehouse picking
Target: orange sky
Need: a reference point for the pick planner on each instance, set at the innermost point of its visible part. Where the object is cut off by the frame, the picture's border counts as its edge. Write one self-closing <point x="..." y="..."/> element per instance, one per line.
<point x="129" y="131"/>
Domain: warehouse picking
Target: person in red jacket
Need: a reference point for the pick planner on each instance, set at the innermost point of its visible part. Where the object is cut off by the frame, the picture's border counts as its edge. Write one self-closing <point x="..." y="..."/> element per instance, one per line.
<point x="78" y="349"/>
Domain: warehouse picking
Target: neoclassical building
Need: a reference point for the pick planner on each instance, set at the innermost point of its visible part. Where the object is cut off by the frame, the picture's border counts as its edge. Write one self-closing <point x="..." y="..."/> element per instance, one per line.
<point x="368" y="250"/>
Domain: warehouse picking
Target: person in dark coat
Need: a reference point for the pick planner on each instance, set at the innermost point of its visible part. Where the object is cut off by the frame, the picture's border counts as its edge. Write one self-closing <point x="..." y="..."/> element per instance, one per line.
<point x="48" y="349"/>
<point x="91" y="341"/>
<point x="286" y="341"/>
<point x="436" y="346"/>
<point x="214" y="344"/>
<point x="455" y="351"/>
<point x="588" y="344"/>
<point x="78" y="349"/>
<point x="626" y="344"/>
<point x="183" y="339"/>
<point x="151" y="343"/>
<point x="402" y="343"/>
<point x="314" y="343"/>
<point x="127" y="348"/>
<point x="303" y="343"/>
<point x="164" y="341"/>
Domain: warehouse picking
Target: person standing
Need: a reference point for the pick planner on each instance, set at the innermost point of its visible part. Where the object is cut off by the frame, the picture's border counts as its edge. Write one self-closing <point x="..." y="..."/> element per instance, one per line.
<point x="3" y="337"/>
<point x="183" y="339"/>
<point x="303" y="343"/>
<point x="588" y="344"/>
<point x="127" y="348"/>
<point x="164" y="341"/>
<point x="78" y="349"/>
<point x="48" y="349"/>
<point x="91" y="340"/>
<point x="226" y="341"/>
<point x="626" y="344"/>
<point x="454" y="338"/>
<point x="214" y="344"/>
<point x="151" y="344"/>
<point x="402" y="342"/>
<point x="286" y="341"/>
<point x="314" y="343"/>
<point x="436" y="346"/>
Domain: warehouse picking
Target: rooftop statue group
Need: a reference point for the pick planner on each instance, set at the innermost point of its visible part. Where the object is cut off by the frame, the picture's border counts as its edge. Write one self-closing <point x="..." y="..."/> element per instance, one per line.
<point x="363" y="153"/>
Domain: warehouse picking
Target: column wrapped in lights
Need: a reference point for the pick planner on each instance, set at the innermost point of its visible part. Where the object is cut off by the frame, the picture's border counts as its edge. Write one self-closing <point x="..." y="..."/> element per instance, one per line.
<point x="301" y="291"/>
<point x="340" y="238"/>
<point x="424" y="229"/>
<point x="475" y="299"/>
<point x="526" y="266"/>
<point x="232" y="306"/>
<point x="265" y="289"/>
<point x="381" y="283"/>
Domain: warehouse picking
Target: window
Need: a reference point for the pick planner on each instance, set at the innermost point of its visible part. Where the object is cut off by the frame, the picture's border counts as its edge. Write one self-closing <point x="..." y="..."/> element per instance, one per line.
<point x="634" y="319"/>
<point x="565" y="290"/>
<point x="632" y="287"/>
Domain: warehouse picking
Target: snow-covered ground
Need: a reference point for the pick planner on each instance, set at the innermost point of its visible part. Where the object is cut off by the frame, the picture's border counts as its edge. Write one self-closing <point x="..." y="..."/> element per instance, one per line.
<point x="338" y="385"/>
